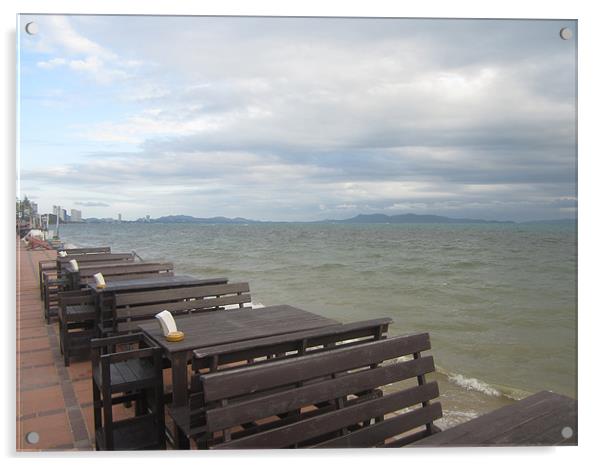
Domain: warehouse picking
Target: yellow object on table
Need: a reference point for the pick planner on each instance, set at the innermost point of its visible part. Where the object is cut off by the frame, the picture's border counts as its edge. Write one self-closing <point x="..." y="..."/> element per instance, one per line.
<point x="175" y="336"/>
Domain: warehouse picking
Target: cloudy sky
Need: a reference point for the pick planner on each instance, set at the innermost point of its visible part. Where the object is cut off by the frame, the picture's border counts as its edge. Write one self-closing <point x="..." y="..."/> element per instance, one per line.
<point x="298" y="119"/>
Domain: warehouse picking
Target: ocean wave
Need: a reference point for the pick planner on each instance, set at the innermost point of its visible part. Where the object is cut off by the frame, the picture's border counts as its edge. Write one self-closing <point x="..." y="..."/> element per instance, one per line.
<point x="452" y="418"/>
<point x="477" y="385"/>
<point x="470" y="383"/>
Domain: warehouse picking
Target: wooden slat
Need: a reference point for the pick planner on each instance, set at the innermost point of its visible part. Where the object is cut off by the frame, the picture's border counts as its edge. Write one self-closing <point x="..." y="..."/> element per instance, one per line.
<point x="180" y="293"/>
<point x="252" y="379"/>
<point x="288" y="400"/>
<point x="379" y="432"/>
<point x="97" y="257"/>
<point x="536" y="420"/>
<point x="340" y="418"/>
<point x="133" y="276"/>
<point x="121" y="269"/>
<point x="96" y="250"/>
<point x="198" y="304"/>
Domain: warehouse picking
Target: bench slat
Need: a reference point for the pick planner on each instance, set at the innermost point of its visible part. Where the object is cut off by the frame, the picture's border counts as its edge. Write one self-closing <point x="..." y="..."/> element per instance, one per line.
<point x="253" y="379"/>
<point x="96" y="250"/>
<point x="285" y="401"/>
<point x="137" y="267"/>
<point x="113" y="256"/>
<point x="379" y="432"/>
<point x="123" y="299"/>
<point x="341" y="418"/>
<point x="199" y="304"/>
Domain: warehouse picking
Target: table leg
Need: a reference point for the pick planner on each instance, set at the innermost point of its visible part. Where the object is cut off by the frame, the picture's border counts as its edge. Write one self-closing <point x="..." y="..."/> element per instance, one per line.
<point x="179" y="376"/>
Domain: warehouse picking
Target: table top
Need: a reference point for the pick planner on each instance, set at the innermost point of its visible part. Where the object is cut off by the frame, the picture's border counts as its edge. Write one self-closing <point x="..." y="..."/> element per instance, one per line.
<point x="545" y="418"/>
<point x="155" y="283"/>
<point x="219" y="327"/>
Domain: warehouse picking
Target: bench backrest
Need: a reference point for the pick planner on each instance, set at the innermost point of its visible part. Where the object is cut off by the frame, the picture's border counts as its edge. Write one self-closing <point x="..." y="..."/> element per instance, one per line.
<point x="116" y="271"/>
<point x="80" y="251"/>
<point x="131" y="308"/>
<point x="94" y="258"/>
<point x="262" y="350"/>
<point x="75" y="297"/>
<point x="329" y="399"/>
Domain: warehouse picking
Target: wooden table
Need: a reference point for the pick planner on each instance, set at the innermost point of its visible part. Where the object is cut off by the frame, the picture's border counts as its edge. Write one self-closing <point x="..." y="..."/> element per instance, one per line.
<point x="545" y="418"/>
<point x="220" y="327"/>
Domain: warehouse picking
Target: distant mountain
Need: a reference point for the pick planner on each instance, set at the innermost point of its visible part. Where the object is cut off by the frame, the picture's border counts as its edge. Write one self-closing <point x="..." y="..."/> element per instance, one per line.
<point x="558" y="221"/>
<point x="410" y="218"/>
<point x="361" y="218"/>
<point x="190" y="219"/>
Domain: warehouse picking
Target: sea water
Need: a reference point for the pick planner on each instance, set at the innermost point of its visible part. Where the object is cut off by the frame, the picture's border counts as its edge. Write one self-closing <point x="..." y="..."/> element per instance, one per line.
<point x="499" y="300"/>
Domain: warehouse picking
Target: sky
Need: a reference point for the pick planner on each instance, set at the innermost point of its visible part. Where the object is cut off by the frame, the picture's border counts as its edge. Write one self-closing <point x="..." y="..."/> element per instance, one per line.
<point x="297" y="118"/>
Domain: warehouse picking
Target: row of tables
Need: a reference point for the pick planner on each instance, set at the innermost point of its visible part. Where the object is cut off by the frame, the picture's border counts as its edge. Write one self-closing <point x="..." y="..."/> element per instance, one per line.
<point x="507" y="426"/>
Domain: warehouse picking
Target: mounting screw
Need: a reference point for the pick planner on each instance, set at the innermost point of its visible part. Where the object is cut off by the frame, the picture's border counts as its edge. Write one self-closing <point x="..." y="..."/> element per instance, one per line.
<point x="566" y="33"/>
<point x="32" y="438"/>
<point x="31" y="28"/>
<point x="566" y="432"/>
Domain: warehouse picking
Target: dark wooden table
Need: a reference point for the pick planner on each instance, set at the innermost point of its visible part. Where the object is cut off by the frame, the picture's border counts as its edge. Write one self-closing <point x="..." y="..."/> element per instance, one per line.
<point x="221" y="327"/>
<point x="542" y="419"/>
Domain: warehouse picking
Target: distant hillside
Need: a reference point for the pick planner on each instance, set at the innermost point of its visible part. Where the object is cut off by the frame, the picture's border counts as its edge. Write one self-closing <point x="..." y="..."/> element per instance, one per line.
<point x="558" y="221"/>
<point x="410" y="218"/>
<point x="190" y="219"/>
<point x="361" y="218"/>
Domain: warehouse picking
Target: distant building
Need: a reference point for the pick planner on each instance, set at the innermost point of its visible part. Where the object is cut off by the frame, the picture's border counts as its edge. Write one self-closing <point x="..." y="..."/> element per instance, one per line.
<point x="119" y="217"/>
<point x="56" y="211"/>
<point x="147" y="218"/>
<point x="76" y="215"/>
<point x="34" y="208"/>
<point x="63" y="215"/>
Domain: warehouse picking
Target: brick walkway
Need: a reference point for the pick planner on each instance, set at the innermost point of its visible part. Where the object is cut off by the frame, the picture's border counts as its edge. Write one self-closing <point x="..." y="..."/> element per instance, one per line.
<point x="52" y="400"/>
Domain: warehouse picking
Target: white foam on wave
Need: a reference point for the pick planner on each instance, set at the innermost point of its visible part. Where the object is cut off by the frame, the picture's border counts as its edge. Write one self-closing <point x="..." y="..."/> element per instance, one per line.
<point x="452" y="418"/>
<point x="473" y="384"/>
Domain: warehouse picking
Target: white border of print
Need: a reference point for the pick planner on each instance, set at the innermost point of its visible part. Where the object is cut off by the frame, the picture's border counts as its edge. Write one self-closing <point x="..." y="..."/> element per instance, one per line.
<point x="589" y="217"/>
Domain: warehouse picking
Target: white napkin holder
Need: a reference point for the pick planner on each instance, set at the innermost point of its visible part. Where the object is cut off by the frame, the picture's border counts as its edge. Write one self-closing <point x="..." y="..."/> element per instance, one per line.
<point x="74" y="265"/>
<point x="62" y="254"/>
<point x="167" y="322"/>
<point x="99" y="280"/>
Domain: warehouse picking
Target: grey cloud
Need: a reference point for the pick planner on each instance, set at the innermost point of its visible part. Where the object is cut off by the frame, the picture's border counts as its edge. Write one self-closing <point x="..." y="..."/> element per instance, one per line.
<point x="299" y="107"/>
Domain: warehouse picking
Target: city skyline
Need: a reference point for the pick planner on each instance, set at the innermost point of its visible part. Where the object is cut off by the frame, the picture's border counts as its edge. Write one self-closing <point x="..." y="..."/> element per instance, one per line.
<point x="462" y="118"/>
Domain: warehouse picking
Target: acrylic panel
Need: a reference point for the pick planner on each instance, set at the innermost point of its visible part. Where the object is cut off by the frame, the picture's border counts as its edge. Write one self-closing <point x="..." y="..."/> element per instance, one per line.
<point x="317" y="172"/>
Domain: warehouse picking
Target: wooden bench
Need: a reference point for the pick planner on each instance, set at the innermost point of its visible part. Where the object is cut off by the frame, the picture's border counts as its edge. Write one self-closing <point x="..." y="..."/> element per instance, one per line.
<point x="129" y="310"/>
<point x="114" y="271"/>
<point x="329" y="399"/>
<point x="189" y="419"/>
<point x="545" y="418"/>
<point x="54" y="281"/>
<point x="77" y="314"/>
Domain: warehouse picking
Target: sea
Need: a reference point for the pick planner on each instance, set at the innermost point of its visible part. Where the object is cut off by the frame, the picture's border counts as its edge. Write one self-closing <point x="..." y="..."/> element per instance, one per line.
<point x="499" y="300"/>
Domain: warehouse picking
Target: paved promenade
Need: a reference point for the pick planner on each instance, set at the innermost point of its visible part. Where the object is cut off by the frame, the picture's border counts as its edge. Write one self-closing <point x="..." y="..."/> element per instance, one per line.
<point x="53" y="401"/>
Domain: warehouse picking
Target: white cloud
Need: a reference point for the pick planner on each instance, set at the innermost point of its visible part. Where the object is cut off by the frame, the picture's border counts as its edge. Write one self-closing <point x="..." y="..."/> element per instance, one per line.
<point x="77" y="52"/>
<point x="59" y="32"/>
<point x="52" y="63"/>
